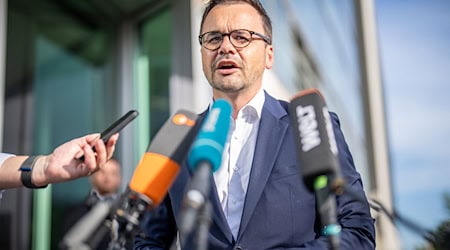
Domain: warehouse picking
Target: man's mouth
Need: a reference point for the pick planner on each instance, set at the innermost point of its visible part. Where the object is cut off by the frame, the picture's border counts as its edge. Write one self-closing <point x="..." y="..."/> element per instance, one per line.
<point x="227" y="67"/>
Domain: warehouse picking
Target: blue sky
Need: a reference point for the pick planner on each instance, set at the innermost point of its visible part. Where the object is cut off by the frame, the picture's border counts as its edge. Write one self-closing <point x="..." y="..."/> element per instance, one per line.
<point x="414" y="40"/>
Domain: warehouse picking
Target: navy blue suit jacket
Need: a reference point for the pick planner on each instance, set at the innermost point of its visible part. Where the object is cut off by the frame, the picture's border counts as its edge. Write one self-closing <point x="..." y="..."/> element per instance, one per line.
<point x="279" y="212"/>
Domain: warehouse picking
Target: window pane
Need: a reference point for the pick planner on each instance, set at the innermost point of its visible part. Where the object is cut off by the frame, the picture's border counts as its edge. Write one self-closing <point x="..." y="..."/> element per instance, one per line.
<point x="155" y="56"/>
<point x="59" y="85"/>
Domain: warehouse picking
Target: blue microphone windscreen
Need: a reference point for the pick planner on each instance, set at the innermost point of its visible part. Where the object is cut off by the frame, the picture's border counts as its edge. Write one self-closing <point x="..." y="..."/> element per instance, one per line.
<point x="209" y="143"/>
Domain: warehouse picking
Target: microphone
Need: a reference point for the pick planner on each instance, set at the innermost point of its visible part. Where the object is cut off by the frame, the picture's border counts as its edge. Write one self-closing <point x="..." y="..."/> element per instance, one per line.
<point x="159" y="166"/>
<point x="88" y="232"/>
<point x="155" y="173"/>
<point x="317" y="154"/>
<point x="204" y="158"/>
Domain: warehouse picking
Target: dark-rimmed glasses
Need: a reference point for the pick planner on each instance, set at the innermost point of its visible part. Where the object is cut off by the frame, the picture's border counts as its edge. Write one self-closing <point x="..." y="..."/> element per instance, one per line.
<point x="239" y="38"/>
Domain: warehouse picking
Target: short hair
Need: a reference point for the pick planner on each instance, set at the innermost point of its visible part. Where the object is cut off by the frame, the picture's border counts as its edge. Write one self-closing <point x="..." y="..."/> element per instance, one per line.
<point x="256" y="4"/>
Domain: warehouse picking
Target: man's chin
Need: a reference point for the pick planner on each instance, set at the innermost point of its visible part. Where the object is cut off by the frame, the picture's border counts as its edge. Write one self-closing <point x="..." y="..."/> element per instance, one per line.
<point x="228" y="88"/>
<point x="228" y="85"/>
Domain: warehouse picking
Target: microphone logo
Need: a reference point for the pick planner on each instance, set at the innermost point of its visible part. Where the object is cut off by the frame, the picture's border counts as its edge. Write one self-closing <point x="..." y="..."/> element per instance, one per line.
<point x="182" y="119"/>
<point x="210" y="124"/>
<point x="329" y="128"/>
<point x="307" y="127"/>
<point x="210" y="141"/>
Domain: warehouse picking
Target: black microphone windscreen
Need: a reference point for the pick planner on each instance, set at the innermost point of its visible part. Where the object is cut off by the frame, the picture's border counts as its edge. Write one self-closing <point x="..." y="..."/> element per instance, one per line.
<point x="175" y="137"/>
<point x="314" y="136"/>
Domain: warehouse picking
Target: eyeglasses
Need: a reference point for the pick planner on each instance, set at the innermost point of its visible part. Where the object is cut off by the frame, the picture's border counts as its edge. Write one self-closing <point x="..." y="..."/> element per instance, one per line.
<point x="239" y="38"/>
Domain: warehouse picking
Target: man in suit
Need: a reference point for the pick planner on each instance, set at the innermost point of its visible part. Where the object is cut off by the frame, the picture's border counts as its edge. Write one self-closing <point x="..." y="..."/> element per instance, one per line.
<point x="258" y="198"/>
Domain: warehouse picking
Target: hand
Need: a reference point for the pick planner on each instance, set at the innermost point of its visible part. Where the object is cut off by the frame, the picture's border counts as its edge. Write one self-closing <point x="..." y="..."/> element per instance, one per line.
<point x="64" y="163"/>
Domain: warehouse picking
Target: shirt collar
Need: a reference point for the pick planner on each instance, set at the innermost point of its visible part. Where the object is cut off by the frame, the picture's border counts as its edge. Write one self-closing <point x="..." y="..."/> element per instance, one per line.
<point x="253" y="107"/>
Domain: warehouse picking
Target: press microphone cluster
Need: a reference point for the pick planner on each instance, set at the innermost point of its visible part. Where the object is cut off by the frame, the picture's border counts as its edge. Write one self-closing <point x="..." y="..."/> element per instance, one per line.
<point x="154" y="174"/>
<point x="318" y="157"/>
<point x="204" y="158"/>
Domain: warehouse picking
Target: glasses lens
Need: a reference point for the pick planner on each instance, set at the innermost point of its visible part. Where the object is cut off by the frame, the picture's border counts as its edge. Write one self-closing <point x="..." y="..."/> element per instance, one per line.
<point x="212" y="40"/>
<point x="241" y="38"/>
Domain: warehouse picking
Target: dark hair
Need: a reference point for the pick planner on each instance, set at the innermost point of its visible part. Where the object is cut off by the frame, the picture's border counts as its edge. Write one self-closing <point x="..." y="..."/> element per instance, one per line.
<point x="267" y="23"/>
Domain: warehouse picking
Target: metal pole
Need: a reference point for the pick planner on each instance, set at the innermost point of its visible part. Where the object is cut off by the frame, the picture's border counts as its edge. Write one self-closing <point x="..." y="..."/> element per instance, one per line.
<point x="372" y="89"/>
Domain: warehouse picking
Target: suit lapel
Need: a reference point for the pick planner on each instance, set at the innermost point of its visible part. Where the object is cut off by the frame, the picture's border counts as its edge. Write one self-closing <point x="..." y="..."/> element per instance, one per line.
<point x="270" y="134"/>
<point x="218" y="216"/>
<point x="219" y="222"/>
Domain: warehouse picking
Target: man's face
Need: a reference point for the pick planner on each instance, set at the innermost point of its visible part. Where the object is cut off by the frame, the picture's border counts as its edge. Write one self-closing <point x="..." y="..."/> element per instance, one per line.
<point x="235" y="70"/>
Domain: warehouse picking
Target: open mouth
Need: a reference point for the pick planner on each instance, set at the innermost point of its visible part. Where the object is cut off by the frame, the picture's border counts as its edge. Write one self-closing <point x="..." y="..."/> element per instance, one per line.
<point x="227" y="67"/>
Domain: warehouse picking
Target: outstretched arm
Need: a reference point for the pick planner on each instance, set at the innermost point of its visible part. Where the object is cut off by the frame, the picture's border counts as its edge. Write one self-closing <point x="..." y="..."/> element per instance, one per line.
<point x="63" y="164"/>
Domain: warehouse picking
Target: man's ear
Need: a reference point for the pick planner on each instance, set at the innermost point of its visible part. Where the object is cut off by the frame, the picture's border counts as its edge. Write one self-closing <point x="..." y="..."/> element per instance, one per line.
<point x="269" y="56"/>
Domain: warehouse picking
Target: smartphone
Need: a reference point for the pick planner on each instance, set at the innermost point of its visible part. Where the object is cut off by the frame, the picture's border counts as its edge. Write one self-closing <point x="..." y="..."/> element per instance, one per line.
<point x="116" y="127"/>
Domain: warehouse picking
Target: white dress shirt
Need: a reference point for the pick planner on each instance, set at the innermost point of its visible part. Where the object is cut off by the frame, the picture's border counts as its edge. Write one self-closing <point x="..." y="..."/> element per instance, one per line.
<point x="233" y="175"/>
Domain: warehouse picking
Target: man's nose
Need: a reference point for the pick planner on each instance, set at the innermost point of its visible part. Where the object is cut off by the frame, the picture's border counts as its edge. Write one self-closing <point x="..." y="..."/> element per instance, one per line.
<point x="226" y="46"/>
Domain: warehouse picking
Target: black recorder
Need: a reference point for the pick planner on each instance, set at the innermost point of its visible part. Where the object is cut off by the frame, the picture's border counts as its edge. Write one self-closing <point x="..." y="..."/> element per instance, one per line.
<point x="117" y="126"/>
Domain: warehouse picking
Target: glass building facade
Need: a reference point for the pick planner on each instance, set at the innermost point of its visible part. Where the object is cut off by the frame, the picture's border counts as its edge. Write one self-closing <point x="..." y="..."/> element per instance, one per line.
<point x="72" y="67"/>
<point x="322" y="35"/>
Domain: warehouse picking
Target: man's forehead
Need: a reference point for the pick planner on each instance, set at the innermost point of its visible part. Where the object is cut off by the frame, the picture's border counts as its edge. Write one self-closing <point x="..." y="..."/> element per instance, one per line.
<point x="231" y="17"/>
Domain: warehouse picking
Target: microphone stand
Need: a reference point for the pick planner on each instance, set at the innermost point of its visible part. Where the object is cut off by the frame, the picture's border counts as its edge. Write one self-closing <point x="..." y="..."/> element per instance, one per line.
<point x="126" y="218"/>
<point x="119" y="219"/>
<point x="89" y="230"/>
<point x="326" y="205"/>
<point x="204" y="222"/>
<point x="196" y="213"/>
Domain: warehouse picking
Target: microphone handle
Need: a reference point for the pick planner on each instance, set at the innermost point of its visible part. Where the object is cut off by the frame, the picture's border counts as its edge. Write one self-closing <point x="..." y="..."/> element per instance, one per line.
<point x="204" y="222"/>
<point x="326" y="205"/>
<point x="86" y="228"/>
<point x="200" y="181"/>
<point x="195" y="199"/>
